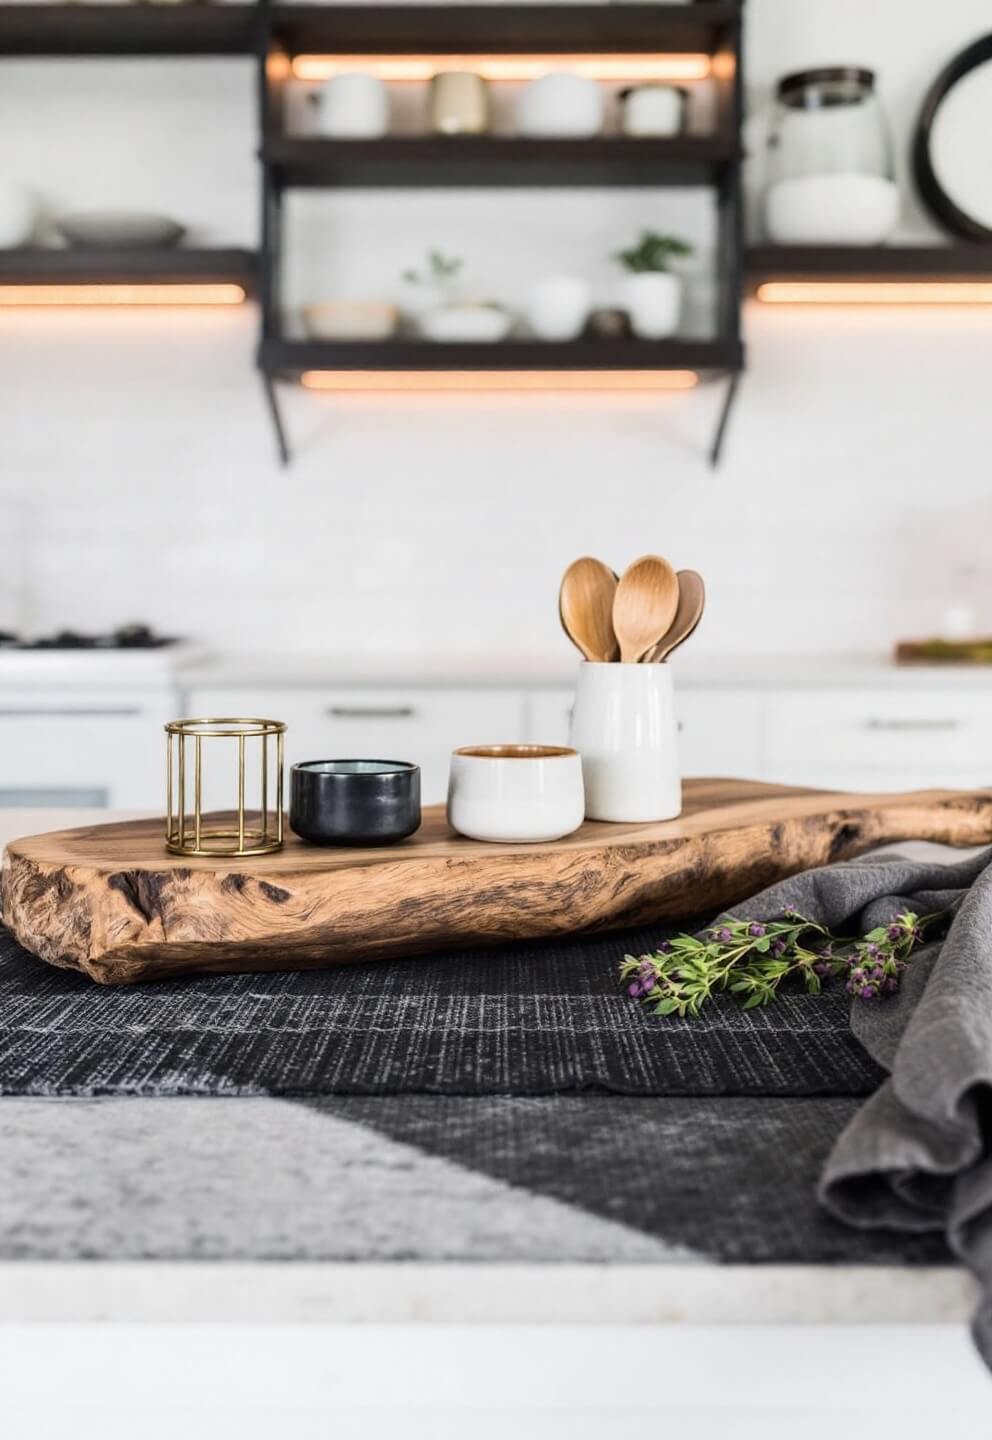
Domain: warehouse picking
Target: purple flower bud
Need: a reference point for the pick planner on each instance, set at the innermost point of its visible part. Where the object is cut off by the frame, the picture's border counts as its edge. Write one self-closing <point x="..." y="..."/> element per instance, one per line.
<point x="878" y="973"/>
<point x="634" y="990"/>
<point x="823" y="969"/>
<point x="891" y="984"/>
<point x="871" y="950"/>
<point x="724" y="935"/>
<point x="857" y="974"/>
<point x="850" y="987"/>
<point x="665" y="947"/>
<point x="756" y="930"/>
<point x="868" y="992"/>
<point x="895" y="932"/>
<point x="778" y="947"/>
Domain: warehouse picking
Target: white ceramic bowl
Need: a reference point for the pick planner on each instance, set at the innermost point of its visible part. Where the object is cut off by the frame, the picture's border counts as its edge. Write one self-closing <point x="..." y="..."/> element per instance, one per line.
<point x="124" y="229"/>
<point x="515" y="793"/>
<point x="465" y="323"/>
<point x="351" y="320"/>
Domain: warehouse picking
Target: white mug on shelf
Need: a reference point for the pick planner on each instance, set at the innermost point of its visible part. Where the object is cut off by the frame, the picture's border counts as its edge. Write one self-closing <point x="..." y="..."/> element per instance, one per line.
<point x="559" y="306"/>
<point x="354" y="107"/>
<point x="624" y="727"/>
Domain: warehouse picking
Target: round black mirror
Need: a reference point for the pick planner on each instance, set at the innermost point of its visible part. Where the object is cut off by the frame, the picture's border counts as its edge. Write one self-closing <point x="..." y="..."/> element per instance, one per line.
<point x="950" y="149"/>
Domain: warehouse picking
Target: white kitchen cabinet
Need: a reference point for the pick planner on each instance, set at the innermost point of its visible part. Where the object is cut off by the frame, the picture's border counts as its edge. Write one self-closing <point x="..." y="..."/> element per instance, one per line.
<point x="879" y="740"/>
<point x="720" y="731"/>
<point x="396" y="724"/>
<point x="84" y="748"/>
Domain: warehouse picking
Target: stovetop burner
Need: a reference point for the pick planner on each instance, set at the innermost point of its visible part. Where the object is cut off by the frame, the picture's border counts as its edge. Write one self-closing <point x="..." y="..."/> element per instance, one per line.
<point x="127" y="637"/>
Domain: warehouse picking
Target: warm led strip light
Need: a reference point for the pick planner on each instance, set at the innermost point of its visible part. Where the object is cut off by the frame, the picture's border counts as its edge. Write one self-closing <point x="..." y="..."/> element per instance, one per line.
<point x="875" y="292"/>
<point x="499" y="379"/>
<point x="95" y="295"/>
<point x="505" y="67"/>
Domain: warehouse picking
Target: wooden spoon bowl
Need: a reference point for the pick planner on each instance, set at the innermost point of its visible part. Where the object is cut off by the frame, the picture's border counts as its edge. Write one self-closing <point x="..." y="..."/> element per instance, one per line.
<point x="692" y="600"/>
<point x="585" y="607"/>
<point x="644" y="606"/>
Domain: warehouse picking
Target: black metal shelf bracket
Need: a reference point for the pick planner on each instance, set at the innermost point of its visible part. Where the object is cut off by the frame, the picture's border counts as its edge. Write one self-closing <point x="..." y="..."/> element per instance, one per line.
<point x="720" y="433"/>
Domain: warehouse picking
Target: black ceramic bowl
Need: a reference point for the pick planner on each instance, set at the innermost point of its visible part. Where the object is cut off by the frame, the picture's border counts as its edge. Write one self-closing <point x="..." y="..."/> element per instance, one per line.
<point x="354" y="802"/>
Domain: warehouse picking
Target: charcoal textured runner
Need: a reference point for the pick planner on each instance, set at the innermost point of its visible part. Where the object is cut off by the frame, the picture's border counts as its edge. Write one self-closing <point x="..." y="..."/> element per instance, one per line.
<point x="917" y="1156"/>
<point x="531" y="1019"/>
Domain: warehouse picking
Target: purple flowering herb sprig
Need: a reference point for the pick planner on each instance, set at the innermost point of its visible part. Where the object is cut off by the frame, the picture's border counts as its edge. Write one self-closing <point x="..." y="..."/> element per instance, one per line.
<point x="752" y="959"/>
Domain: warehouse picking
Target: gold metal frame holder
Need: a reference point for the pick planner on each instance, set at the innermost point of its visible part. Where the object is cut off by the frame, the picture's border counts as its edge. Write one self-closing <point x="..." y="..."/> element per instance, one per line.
<point x="196" y="749"/>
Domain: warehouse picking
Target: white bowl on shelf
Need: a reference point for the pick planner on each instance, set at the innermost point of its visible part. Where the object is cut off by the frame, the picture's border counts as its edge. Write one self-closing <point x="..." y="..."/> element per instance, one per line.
<point x="119" y="229"/>
<point x="351" y="320"/>
<point x="465" y="324"/>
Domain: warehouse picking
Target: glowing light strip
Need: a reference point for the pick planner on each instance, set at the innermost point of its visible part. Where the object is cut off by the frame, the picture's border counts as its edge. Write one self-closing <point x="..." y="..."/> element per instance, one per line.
<point x="52" y="296"/>
<point x="499" y="379"/>
<point x="875" y="292"/>
<point x="505" y="67"/>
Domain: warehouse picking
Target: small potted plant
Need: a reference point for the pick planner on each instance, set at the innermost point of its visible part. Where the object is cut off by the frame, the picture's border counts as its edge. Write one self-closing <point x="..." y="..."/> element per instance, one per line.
<point x="443" y="313"/>
<point x="651" y="294"/>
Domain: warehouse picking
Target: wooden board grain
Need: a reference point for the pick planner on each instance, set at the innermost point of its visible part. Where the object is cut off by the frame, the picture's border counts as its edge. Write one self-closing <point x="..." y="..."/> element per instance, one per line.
<point x="108" y="899"/>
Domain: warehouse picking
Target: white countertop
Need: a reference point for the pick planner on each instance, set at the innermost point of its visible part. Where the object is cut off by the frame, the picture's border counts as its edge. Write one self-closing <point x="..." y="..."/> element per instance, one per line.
<point x="558" y="670"/>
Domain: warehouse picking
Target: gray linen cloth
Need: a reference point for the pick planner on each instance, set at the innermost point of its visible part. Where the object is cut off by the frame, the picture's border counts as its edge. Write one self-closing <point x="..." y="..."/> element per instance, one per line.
<point x="917" y="1156"/>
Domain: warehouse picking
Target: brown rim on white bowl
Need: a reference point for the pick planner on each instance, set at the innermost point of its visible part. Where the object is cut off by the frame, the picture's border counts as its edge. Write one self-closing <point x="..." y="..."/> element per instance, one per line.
<point x="516" y="752"/>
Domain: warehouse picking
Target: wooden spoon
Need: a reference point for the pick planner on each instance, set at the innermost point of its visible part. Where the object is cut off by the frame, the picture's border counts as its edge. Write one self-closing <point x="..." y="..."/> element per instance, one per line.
<point x="692" y="599"/>
<point x="644" y="606"/>
<point x="585" y="605"/>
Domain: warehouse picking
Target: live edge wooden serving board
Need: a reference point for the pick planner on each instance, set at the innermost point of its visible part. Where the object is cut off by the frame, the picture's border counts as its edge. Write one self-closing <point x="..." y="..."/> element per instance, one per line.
<point x="108" y="899"/>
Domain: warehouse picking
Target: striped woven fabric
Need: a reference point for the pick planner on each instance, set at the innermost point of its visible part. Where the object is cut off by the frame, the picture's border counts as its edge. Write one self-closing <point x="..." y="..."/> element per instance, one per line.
<point x="533" y="1019"/>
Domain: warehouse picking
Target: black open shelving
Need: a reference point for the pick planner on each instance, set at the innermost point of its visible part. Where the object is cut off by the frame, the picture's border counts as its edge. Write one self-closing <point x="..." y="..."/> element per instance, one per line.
<point x="483" y="160"/>
<point x="711" y="27"/>
<point x="287" y="359"/>
<point x="168" y="30"/>
<point x="173" y="266"/>
<point x="826" y="263"/>
<point x="82" y="31"/>
<point x="697" y="26"/>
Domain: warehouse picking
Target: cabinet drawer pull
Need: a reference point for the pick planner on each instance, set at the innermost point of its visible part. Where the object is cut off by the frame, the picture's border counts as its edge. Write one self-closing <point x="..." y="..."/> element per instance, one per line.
<point x="912" y="724"/>
<point x="16" y="712"/>
<point x="371" y="712"/>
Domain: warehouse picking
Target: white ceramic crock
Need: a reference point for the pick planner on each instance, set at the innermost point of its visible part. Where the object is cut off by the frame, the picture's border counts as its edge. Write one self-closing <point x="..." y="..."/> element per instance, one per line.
<point x="561" y="104"/>
<point x="652" y="110"/>
<point x="624" y="727"/>
<point x="515" y="793"/>
<point x="653" y="300"/>
<point x="558" y="307"/>
<point x="354" y="107"/>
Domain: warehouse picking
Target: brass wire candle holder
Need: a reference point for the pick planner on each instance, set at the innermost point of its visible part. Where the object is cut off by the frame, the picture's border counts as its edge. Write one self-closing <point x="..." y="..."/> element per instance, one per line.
<point x="195" y="754"/>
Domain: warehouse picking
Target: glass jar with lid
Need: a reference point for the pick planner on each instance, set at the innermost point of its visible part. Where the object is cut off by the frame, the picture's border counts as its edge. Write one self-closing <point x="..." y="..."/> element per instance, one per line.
<point x="830" y="177"/>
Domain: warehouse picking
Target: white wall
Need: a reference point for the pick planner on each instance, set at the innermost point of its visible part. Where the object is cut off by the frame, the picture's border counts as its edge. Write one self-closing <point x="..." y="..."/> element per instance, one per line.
<point x="137" y="472"/>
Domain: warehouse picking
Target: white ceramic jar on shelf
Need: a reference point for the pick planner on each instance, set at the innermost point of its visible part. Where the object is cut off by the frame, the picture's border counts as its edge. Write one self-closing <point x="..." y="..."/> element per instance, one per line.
<point x="562" y="105"/>
<point x="830" y="166"/>
<point x="353" y="107"/>
<point x="558" y="307"/>
<point x="624" y="727"/>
